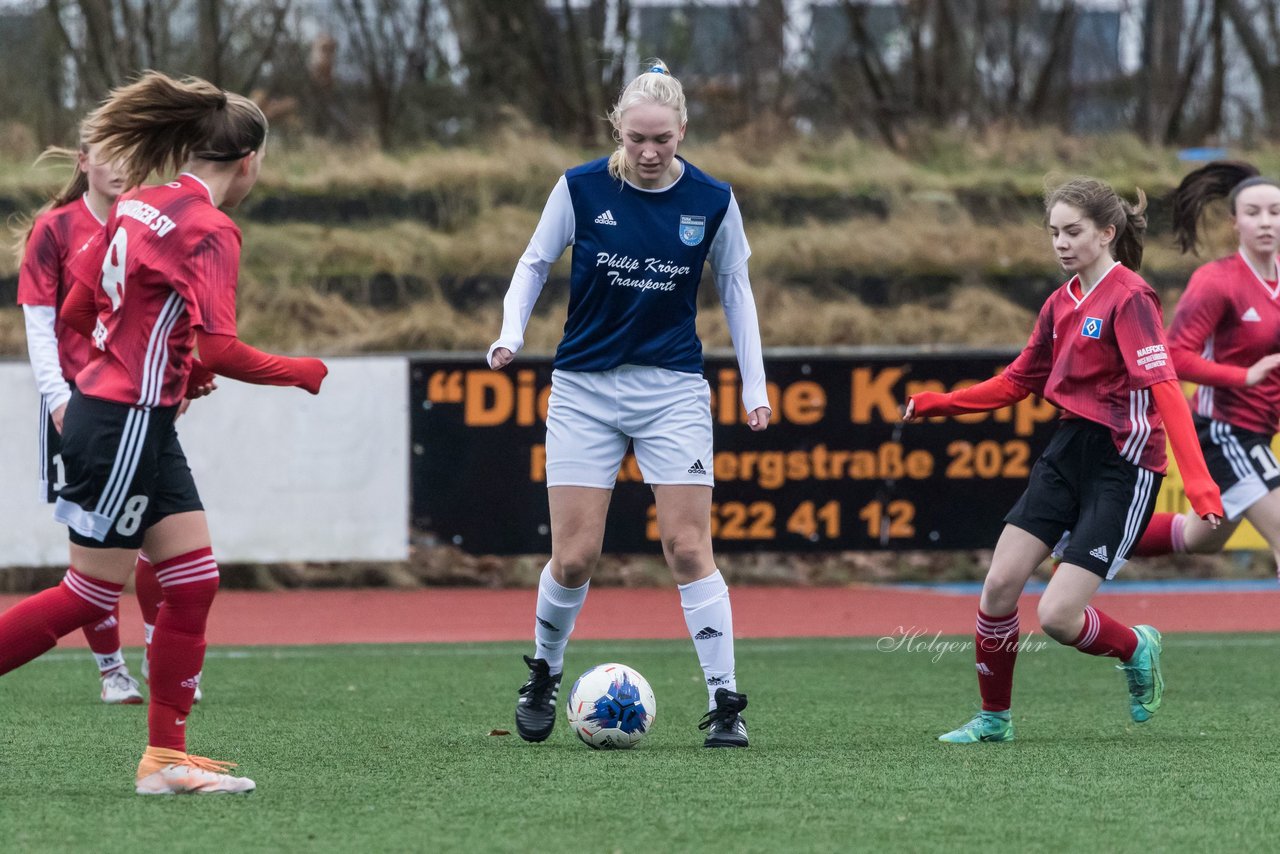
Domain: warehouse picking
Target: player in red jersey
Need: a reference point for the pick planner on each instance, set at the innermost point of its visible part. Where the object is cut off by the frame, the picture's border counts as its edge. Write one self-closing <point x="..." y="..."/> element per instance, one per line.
<point x="156" y="285"/>
<point x="61" y="229"/>
<point x="1226" y="337"/>
<point x="1098" y="353"/>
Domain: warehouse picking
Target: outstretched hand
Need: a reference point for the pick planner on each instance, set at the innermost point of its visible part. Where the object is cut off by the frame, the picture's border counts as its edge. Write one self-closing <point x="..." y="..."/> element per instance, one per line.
<point x="909" y="411"/>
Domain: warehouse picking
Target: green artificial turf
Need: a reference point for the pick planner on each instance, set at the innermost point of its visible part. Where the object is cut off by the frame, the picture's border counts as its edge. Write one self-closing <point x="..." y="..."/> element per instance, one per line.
<point x="387" y="748"/>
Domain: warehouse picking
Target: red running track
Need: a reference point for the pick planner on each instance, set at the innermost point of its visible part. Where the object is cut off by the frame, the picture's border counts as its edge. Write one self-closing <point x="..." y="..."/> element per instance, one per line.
<point x="452" y="615"/>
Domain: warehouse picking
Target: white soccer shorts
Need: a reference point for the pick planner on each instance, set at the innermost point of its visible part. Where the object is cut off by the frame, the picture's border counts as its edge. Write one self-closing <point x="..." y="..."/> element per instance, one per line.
<point x="591" y="416"/>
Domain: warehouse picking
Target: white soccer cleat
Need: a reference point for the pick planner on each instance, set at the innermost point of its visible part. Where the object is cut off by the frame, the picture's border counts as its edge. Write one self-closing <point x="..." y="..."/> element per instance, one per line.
<point x="172" y="772"/>
<point x="118" y="687"/>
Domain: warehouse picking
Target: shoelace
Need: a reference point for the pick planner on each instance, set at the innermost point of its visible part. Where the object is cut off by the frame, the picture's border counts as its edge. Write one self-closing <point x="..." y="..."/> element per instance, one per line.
<point x="1138" y="684"/>
<point x="204" y="763"/>
<point x="719" y="718"/>
<point x="539" y="687"/>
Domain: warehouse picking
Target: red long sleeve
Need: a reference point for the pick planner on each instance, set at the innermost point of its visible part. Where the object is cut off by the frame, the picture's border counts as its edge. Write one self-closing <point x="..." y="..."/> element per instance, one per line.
<point x="79" y="311"/>
<point x="1193" y="367"/>
<point x="1201" y="491"/>
<point x="231" y="357"/>
<point x="986" y="395"/>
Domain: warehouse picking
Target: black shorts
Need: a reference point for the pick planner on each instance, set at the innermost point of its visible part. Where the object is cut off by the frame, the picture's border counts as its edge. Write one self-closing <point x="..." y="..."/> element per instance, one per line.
<point x="52" y="476"/>
<point x="1086" y="501"/>
<point x="1240" y="462"/>
<point x="125" y="472"/>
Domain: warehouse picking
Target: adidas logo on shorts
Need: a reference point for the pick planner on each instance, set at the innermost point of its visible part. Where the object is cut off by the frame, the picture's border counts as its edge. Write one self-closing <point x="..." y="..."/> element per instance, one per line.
<point x="697" y="468"/>
<point x="606" y="218"/>
<point x="708" y="633"/>
<point x="1100" y="553"/>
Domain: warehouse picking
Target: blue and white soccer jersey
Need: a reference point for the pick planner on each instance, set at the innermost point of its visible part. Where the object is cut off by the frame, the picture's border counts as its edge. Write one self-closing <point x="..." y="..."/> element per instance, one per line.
<point x="666" y="416"/>
<point x="630" y="362"/>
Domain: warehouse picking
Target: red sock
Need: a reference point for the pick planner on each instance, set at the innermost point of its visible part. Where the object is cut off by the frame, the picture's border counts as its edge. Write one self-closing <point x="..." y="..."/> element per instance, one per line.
<point x="996" y="650"/>
<point x="1163" y="536"/>
<point x="33" y="626"/>
<point x="104" y="640"/>
<point x="1102" y="635"/>
<point x="148" y="590"/>
<point x="190" y="582"/>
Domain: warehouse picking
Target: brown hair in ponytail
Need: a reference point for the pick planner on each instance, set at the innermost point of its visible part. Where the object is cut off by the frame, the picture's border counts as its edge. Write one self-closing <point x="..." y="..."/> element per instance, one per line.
<point x="159" y="123"/>
<point x="1216" y="180"/>
<point x="1097" y="201"/>
<point x="75" y="187"/>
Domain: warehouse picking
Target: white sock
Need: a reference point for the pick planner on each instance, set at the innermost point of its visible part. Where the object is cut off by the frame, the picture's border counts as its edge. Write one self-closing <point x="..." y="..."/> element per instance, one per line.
<point x="109" y="662"/>
<point x="710" y="621"/>
<point x="556" y="613"/>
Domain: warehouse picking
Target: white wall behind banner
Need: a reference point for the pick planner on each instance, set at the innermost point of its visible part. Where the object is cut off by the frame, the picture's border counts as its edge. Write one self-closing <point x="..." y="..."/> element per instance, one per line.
<point x="284" y="476"/>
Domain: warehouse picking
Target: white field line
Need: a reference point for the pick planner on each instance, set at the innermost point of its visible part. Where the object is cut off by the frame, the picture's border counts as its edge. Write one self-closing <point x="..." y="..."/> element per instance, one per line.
<point x="766" y="647"/>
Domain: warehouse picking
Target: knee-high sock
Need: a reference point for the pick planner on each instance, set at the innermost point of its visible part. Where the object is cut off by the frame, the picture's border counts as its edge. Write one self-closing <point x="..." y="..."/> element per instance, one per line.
<point x="1102" y="635"/>
<point x="996" y="651"/>
<point x="709" y="618"/>
<point x="1164" y="535"/>
<point x="104" y="640"/>
<point x="150" y="594"/>
<point x="556" y="612"/>
<point x="190" y="582"/>
<point x="33" y="626"/>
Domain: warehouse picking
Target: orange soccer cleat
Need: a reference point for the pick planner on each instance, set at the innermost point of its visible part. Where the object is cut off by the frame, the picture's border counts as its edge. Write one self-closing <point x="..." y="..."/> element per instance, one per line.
<point x="172" y="772"/>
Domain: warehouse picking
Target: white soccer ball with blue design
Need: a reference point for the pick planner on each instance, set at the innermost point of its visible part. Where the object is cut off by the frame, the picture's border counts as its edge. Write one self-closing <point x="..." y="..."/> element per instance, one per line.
<point x="611" y="707"/>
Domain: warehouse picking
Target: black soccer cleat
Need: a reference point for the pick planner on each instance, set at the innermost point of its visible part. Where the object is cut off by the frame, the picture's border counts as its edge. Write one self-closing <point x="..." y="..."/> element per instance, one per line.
<point x="536" y="708"/>
<point x="725" y="725"/>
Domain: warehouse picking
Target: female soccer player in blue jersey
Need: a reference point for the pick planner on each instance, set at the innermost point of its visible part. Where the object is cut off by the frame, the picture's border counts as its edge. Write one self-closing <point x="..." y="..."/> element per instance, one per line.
<point x="642" y="222"/>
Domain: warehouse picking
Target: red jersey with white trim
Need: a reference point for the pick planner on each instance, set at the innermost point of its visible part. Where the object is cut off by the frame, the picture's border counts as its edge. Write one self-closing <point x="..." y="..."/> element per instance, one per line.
<point x="56" y="238"/>
<point x="1096" y="357"/>
<point x="1231" y="315"/>
<point x="166" y="263"/>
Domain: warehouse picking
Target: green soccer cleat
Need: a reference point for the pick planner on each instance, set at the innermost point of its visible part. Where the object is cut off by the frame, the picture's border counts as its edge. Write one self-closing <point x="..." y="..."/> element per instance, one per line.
<point x="985" y="726"/>
<point x="1146" y="684"/>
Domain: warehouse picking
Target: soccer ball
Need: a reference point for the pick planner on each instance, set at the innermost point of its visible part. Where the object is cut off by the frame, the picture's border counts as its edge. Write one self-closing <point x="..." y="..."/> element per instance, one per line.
<point x="611" y="707"/>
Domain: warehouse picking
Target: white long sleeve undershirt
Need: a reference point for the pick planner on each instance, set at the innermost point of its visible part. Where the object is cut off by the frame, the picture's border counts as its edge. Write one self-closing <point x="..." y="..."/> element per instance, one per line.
<point x="42" y="348"/>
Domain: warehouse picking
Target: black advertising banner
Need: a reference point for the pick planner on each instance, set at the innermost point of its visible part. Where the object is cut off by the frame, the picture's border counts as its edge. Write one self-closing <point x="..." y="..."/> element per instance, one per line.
<point x="836" y="470"/>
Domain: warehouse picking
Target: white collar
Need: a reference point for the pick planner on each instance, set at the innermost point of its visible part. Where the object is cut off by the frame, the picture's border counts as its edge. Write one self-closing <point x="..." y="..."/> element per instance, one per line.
<point x="199" y="181"/>
<point x="1273" y="292"/>
<point x="1076" y="278"/>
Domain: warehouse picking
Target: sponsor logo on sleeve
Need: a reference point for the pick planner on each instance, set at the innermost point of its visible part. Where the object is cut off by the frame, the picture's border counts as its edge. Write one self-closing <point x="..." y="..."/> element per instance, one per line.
<point x="1152" y="357"/>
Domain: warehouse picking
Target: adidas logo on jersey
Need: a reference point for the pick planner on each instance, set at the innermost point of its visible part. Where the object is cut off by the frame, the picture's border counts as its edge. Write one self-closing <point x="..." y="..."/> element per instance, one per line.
<point x="1100" y="553"/>
<point x="606" y="218"/>
<point x="1252" y="315"/>
<point x="697" y="468"/>
<point x="708" y="633"/>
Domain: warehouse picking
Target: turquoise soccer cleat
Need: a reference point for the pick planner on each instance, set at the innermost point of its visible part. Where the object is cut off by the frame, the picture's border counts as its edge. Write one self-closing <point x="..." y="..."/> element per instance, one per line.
<point x="985" y="726"/>
<point x="1146" y="684"/>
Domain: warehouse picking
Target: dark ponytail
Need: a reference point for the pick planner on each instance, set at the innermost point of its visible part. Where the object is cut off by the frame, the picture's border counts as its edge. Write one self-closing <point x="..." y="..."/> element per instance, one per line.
<point x="1216" y="180"/>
